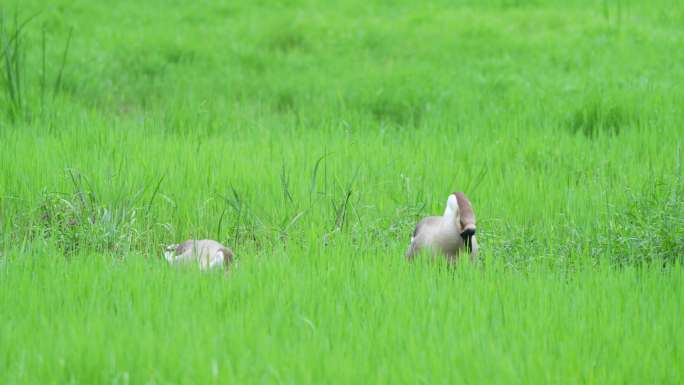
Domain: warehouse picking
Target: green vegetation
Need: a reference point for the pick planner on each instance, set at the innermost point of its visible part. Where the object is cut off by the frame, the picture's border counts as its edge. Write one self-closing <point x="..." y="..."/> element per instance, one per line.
<point x="310" y="138"/>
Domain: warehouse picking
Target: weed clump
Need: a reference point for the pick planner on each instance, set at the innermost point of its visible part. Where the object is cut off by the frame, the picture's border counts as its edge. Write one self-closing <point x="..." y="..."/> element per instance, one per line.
<point x="600" y="118"/>
<point x="651" y="227"/>
<point x="284" y="37"/>
<point x="75" y="223"/>
<point x="403" y="114"/>
<point x="80" y="221"/>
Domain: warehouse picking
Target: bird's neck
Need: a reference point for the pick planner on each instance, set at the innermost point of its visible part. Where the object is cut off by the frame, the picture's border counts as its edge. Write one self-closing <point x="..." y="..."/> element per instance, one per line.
<point x="450" y="216"/>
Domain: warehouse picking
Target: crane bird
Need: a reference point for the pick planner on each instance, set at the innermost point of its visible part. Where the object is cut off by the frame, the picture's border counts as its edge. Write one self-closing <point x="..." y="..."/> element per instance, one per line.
<point x="450" y="234"/>
<point x="208" y="253"/>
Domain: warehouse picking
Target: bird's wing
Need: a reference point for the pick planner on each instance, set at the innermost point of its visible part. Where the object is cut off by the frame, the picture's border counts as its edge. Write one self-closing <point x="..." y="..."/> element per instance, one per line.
<point x="184" y="247"/>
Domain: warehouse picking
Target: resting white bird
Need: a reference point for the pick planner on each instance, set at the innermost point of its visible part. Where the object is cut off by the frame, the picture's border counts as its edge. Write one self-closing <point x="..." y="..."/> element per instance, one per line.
<point x="451" y="234"/>
<point x="207" y="253"/>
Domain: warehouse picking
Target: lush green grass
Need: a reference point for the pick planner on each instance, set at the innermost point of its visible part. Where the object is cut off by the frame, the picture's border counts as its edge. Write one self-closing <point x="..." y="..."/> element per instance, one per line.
<point x="329" y="319"/>
<point x="310" y="138"/>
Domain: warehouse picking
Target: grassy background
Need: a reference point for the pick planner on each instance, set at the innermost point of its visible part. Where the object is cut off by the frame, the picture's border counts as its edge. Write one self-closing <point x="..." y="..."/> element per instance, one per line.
<point x="310" y="138"/>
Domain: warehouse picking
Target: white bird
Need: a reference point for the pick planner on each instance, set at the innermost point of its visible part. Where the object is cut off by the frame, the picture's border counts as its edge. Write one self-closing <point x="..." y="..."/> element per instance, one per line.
<point x="208" y="253"/>
<point x="451" y="234"/>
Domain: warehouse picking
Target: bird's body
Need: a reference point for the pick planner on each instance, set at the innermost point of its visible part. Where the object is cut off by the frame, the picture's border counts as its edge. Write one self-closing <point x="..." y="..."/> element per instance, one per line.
<point x="208" y="253"/>
<point x="450" y="234"/>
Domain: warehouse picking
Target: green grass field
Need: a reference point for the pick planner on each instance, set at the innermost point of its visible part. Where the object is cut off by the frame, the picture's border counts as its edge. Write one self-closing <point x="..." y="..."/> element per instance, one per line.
<point x="310" y="137"/>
